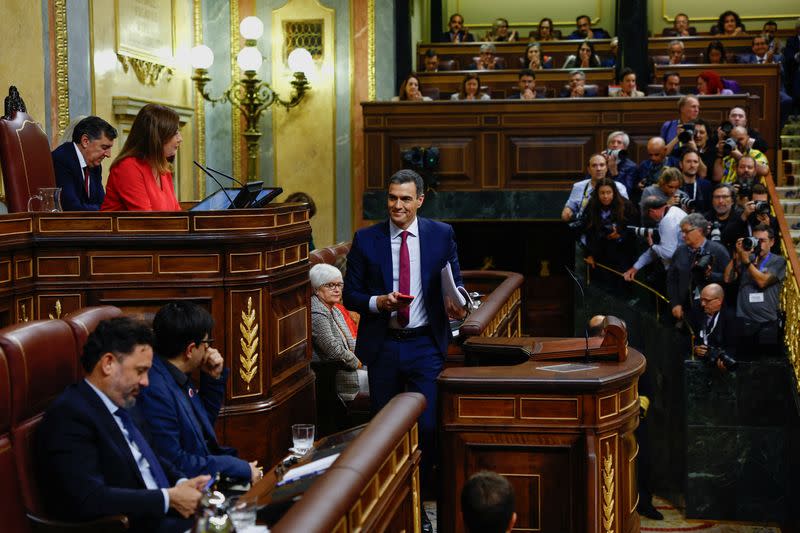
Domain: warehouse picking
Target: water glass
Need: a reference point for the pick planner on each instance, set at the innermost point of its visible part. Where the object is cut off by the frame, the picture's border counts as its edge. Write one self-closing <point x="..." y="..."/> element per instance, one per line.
<point x="302" y="438"/>
<point x="242" y="514"/>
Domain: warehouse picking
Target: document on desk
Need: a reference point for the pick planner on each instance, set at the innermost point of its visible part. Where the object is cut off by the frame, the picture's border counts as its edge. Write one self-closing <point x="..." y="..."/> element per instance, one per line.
<point x="449" y="289"/>
<point x="314" y="467"/>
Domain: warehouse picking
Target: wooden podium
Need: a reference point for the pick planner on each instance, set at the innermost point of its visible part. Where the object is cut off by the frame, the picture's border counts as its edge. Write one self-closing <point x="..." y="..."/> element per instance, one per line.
<point x="248" y="267"/>
<point x="561" y="431"/>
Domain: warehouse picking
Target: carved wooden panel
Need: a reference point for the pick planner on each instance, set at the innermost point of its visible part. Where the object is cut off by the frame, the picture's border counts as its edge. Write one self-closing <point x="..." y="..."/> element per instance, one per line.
<point x="189" y="264"/>
<point x="543" y="160"/>
<point x="57" y="305"/>
<point x="290" y="319"/>
<point x="248" y="364"/>
<point x="243" y="263"/>
<point x="120" y="264"/>
<point x="23" y="267"/>
<point x="58" y="266"/>
<point x="373" y="145"/>
<point x="24" y="309"/>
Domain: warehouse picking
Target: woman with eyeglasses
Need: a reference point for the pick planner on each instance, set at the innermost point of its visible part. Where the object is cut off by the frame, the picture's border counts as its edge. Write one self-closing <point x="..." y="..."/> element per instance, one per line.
<point x="332" y="334"/>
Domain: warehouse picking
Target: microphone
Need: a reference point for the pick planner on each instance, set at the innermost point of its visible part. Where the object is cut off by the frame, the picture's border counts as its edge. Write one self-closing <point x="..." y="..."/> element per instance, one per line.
<point x="210" y="175"/>
<point x="226" y="176"/>
<point x="585" y="313"/>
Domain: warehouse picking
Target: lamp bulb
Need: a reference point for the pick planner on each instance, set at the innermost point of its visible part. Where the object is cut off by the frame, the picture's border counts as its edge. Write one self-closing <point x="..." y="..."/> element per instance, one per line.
<point x="249" y="58"/>
<point x="202" y="56"/>
<point x="300" y="60"/>
<point x="251" y="28"/>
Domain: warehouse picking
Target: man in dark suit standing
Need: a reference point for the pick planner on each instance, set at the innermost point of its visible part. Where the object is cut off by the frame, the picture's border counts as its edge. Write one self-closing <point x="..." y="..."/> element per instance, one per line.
<point x="77" y="164"/>
<point x="394" y="281"/>
<point x="181" y="415"/>
<point x="94" y="459"/>
<point x="714" y="327"/>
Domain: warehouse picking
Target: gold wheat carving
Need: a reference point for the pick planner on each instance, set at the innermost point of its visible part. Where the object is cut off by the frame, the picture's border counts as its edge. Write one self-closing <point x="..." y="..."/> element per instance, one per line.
<point x="57" y="310"/>
<point x="249" y="342"/>
<point x="24" y="314"/>
<point x="608" y="491"/>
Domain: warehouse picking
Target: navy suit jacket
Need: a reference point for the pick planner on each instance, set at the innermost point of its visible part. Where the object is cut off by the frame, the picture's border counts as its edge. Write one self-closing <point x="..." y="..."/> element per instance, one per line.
<point x="86" y="467"/>
<point x="369" y="273"/>
<point x="183" y="429"/>
<point x="69" y="177"/>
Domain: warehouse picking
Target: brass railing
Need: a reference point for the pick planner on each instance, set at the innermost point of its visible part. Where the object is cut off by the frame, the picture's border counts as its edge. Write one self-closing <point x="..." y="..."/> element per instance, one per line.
<point x="659" y="297"/>
<point x="790" y="295"/>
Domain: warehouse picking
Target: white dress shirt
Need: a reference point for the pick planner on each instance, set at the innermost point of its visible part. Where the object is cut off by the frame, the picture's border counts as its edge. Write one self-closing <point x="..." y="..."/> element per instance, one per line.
<point x="81" y="160"/>
<point x="668" y="229"/>
<point x="141" y="462"/>
<point x="418" y="316"/>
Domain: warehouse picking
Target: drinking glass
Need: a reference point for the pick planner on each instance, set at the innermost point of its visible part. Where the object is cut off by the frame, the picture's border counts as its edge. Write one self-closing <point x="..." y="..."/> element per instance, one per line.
<point x="302" y="438"/>
<point x="241" y="514"/>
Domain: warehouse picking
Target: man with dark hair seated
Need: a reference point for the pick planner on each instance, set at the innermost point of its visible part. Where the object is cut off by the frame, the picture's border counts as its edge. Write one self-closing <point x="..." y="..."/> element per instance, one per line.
<point x="584" y="29"/>
<point x="576" y="88"/>
<point x="487" y="504"/>
<point x="94" y="459"/>
<point x="181" y="416"/>
<point x="670" y="84"/>
<point x="431" y="60"/>
<point x="527" y="85"/>
<point x="77" y="164"/>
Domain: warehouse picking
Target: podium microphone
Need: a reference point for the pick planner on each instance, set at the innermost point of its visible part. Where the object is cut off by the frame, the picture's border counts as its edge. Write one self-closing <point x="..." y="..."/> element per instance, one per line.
<point x="225" y="176"/>
<point x="585" y="312"/>
<point x="210" y="175"/>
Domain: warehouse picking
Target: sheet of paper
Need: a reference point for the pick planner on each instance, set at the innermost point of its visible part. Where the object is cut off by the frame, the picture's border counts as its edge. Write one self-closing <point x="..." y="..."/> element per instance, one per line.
<point x="310" y="468"/>
<point x="449" y="289"/>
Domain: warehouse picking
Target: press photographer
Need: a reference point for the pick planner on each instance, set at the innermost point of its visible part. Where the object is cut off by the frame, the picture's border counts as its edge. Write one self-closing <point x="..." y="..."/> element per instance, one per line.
<point x="722" y="210"/>
<point x="696" y="188"/>
<point x="620" y="167"/>
<point x="730" y="149"/>
<point x="695" y="263"/>
<point x="668" y="184"/>
<point x="714" y="328"/>
<point x="650" y="169"/>
<point x="760" y="273"/>
<point x="755" y="210"/>
<point x="668" y="219"/>
<point x="582" y="190"/>
<point x="603" y="225"/>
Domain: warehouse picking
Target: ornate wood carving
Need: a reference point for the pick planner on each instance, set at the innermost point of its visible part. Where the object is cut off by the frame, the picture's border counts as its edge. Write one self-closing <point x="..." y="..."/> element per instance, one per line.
<point x="13" y="103"/>
<point x="249" y="343"/>
<point x="147" y="72"/>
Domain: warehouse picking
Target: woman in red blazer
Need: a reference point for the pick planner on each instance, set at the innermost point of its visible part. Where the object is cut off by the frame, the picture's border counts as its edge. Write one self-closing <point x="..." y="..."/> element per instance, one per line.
<point x="141" y="175"/>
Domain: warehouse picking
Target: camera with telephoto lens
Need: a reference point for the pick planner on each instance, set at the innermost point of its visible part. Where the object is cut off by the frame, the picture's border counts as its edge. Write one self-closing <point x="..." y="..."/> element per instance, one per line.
<point x="729" y="146"/>
<point x="762" y="208"/>
<point x="686" y="202"/>
<point x="641" y="232"/>
<point x="714" y="354"/>
<point x="687" y="134"/>
<point x="619" y="154"/>
<point x="716" y="232"/>
<point x="750" y="244"/>
<point x="702" y="262"/>
<point x="414" y="157"/>
<point x="608" y="229"/>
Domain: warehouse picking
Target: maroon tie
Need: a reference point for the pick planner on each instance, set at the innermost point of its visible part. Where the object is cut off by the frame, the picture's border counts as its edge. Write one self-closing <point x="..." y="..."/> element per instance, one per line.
<point x="86" y="181"/>
<point x="404" y="285"/>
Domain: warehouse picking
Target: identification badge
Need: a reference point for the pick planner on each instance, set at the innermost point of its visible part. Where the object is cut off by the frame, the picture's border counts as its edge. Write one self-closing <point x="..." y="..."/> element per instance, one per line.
<point x="756" y="297"/>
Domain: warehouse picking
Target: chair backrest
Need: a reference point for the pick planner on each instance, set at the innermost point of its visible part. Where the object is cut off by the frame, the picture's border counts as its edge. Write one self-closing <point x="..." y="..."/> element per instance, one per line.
<point x="449" y="64"/>
<point x="11" y="508"/>
<point x="83" y="321"/>
<point x="24" y="154"/>
<point x="431" y="92"/>
<point x="329" y="254"/>
<point x="41" y="358"/>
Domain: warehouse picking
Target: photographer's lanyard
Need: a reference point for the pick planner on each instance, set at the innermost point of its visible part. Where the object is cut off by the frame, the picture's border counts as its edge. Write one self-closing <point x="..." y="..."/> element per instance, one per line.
<point x="586" y="193"/>
<point x="766" y="258"/>
<point x="705" y="333"/>
<point x="694" y="191"/>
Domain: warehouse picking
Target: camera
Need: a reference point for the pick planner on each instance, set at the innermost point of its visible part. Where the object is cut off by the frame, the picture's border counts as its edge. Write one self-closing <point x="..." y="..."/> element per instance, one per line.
<point x="702" y="262"/>
<point x="729" y="146"/>
<point x="608" y="229"/>
<point x="715" y="354"/>
<point x="414" y="157"/>
<point x="750" y="244"/>
<point x="687" y="134"/>
<point x="642" y="232"/>
<point x="726" y="128"/>
<point x="686" y="202"/>
<point x="762" y="208"/>
<point x="419" y="158"/>
<point x="619" y="154"/>
<point x="745" y="189"/>
<point x="716" y="232"/>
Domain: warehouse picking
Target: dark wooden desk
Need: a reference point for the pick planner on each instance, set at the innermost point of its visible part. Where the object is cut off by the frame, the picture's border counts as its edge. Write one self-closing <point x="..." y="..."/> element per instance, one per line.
<point x="514" y="146"/>
<point x="563" y="439"/>
<point x="372" y="486"/>
<point x="249" y="268"/>
<point x="503" y="83"/>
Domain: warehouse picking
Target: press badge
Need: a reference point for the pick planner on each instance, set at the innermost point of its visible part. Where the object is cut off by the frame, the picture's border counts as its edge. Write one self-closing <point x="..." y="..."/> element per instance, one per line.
<point x="756" y="297"/>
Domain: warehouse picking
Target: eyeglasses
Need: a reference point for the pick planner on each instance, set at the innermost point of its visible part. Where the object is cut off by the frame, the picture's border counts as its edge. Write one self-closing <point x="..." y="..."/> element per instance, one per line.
<point x="333" y="286"/>
<point x="687" y="231"/>
<point x="209" y="342"/>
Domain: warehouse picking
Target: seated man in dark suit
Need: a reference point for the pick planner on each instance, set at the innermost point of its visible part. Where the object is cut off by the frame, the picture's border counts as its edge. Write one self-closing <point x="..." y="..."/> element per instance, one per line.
<point x="527" y="85"/>
<point x="94" y="459"/>
<point x="77" y="164"/>
<point x="584" y="29"/>
<point x="577" y="86"/>
<point x="181" y="416"/>
<point x="458" y="33"/>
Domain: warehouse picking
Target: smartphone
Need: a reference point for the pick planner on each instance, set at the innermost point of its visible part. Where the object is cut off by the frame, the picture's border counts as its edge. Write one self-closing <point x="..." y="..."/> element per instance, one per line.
<point x="405" y="298"/>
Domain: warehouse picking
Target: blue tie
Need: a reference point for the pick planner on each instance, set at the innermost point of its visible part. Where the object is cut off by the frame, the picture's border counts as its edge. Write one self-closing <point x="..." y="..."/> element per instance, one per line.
<point x="137" y="438"/>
